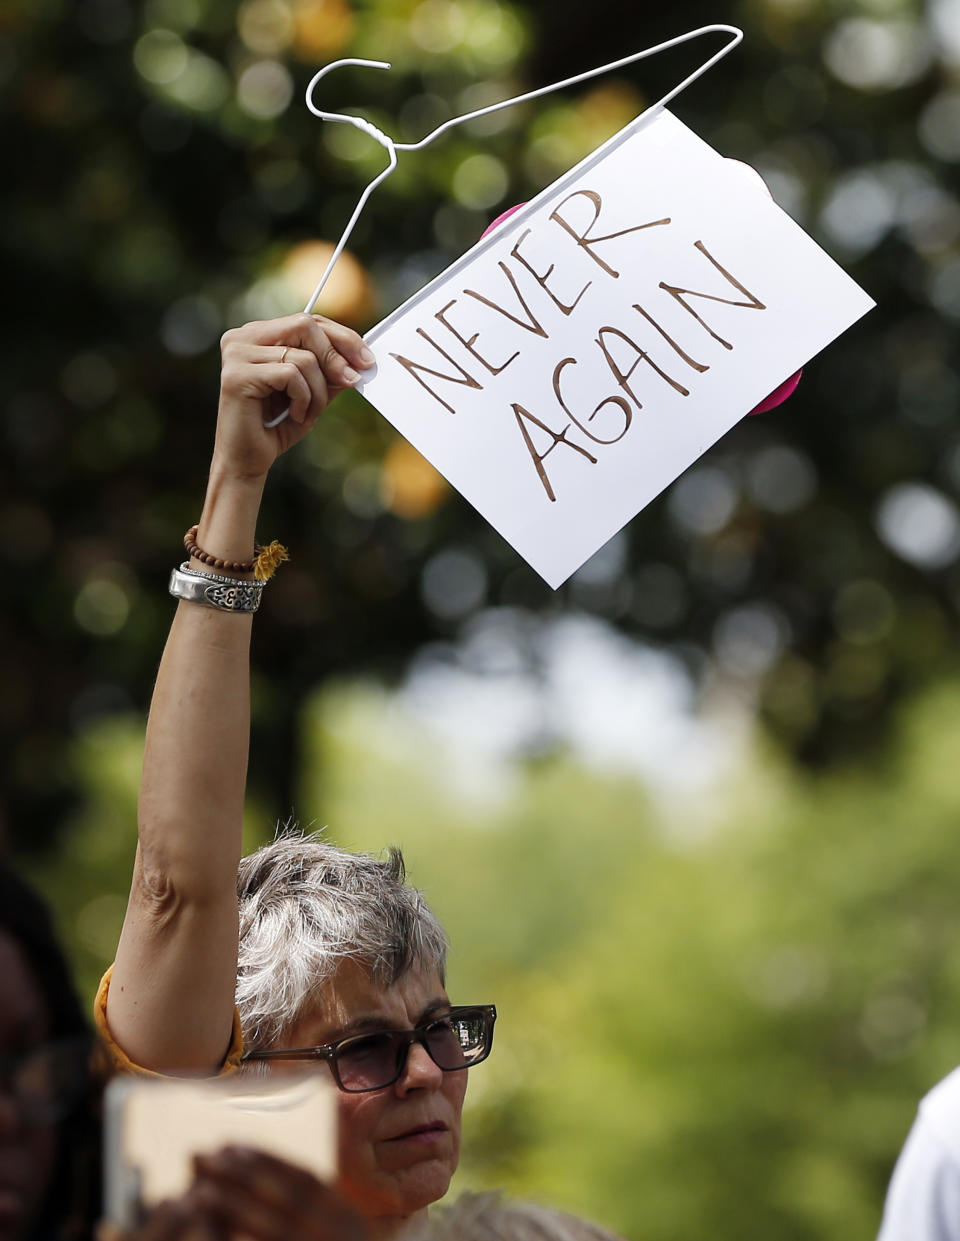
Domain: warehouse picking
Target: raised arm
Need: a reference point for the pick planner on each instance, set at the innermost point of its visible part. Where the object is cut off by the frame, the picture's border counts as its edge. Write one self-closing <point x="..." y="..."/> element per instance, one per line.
<point x="170" y="1003"/>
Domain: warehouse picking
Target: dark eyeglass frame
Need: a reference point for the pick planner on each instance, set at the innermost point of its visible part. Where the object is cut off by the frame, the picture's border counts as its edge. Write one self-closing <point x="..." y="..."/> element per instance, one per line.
<point x="403" y="1040"/>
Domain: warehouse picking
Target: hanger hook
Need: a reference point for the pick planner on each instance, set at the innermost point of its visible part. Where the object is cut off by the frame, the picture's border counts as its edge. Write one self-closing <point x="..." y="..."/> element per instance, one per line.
<point x="367" y="127"/>
<point x="358" y="122"/>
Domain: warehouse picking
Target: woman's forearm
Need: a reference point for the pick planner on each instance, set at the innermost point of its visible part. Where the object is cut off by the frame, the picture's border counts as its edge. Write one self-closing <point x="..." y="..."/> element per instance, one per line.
<point x="195" y="756"/>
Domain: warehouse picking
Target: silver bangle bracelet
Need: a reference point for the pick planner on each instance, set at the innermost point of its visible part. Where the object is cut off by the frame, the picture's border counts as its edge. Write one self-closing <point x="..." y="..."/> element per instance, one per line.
<point x="226" y="595"/>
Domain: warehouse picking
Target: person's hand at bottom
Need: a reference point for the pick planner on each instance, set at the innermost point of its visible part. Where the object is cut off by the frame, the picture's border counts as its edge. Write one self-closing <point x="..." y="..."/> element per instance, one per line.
<point x="245" y="1191"/>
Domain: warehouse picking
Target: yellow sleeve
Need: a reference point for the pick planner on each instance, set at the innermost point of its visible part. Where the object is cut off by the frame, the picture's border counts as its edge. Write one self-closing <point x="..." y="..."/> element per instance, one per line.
<point x="120" y="1062"/>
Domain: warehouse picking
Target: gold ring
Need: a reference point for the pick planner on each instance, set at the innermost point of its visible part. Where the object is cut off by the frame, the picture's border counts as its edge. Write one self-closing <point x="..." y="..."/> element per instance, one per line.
<point x="283" y="353"/>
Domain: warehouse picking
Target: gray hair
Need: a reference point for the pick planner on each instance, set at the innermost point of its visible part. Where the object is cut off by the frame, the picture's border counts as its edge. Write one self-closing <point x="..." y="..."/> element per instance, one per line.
<point x="486" y="1217"/>
<point x="307" y="906"/>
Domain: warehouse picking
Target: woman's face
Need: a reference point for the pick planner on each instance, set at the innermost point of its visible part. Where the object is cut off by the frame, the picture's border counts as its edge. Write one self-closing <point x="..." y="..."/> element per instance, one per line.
<point x="27" y="1152"/>
<point x="398" y="1146"/>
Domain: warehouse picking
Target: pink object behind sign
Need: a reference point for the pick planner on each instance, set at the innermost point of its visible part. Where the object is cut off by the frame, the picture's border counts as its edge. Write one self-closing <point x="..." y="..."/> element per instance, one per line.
<point x="504" y="215"/>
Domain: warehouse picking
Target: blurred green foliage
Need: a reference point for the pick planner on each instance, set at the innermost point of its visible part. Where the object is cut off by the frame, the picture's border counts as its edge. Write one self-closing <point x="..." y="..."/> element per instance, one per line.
<point x="164" y="182"/>
<point x="720" y="1031"/>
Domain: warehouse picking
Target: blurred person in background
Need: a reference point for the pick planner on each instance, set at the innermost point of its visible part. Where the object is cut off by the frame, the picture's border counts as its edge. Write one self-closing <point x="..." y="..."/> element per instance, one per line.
<point x="330" y="957"/>
<point x="488" y="1217"/>
<point x="923" y="1201"/>
<point x="49" y="1131"/>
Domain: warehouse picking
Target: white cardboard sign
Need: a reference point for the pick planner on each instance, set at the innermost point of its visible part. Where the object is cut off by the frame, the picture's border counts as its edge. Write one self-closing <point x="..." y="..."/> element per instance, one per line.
<point x="571" y="365"/>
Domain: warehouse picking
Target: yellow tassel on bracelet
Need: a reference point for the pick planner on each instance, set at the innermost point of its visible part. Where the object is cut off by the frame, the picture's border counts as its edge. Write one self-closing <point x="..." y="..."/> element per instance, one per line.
<point x="268" y="560"/>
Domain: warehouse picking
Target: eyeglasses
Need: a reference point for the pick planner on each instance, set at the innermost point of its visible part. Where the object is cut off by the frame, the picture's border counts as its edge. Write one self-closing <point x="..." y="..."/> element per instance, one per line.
<point x="456" y="1040"/>
<point x="47" y="1082"/>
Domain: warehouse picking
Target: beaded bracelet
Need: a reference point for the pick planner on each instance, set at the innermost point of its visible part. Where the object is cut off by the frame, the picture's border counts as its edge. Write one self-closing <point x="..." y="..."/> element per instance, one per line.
<point x="263" y="565"/>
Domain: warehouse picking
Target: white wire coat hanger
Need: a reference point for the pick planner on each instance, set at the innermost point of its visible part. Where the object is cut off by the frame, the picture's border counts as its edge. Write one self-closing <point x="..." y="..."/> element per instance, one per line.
<point x="391" y="147"/>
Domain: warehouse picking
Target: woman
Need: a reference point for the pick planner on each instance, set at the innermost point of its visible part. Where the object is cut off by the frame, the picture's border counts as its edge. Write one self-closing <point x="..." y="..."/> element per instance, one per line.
<point x="48" y="1132"/>
<point x="329" y="956"/>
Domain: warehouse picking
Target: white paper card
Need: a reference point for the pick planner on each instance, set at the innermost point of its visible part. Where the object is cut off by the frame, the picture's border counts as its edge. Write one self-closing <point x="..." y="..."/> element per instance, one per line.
<point x="571" y="365"/>
<point x="154" y="1127"/>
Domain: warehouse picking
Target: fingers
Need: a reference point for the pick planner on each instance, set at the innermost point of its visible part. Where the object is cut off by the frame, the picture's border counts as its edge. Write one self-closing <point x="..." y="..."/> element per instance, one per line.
<point x="306" y="383"/>
<point x="271" y="1200"/>
<point x="347" y="342"/>
<point x="340" y="351"/>
<point x="255" y="376"/>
